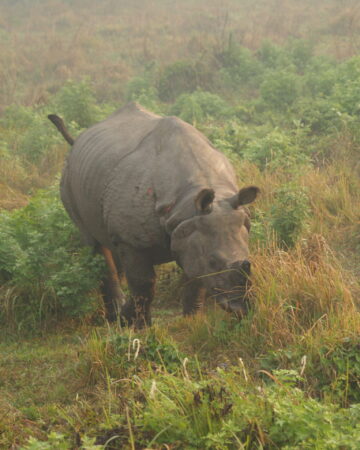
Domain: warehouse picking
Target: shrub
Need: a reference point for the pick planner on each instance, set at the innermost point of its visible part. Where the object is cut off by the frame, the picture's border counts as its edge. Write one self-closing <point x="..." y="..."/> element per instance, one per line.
<point x="320" y="77"/>
<point x="199" y="106"/>
<point x="289" y="212"/>
<point x="280" y="89"/>
<point x="223" y="412"/>
<point x="176" y="79"/>
<point x="30" y="134"/>
<point x="319" y="115"/>
<point x="239" y="67"/>
<point x="301" y="53"/>
<point x="140" y="89"/>
<point x="332" y="369"/>
<point x="76" y="103"/>
<point x="10" y="250"/>
<point x="276" y="150"/>
<point x="346" y="90"/>
<point x="347" y="95"/>
<point x="306" y="423"/>
<point x="273" y="56"/>
<point x="42" y="261"/>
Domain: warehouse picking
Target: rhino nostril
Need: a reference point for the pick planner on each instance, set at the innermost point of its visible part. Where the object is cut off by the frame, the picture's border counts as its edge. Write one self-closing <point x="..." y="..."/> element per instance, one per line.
<point x="242" y="266"/>
<point x="246" y="266"/>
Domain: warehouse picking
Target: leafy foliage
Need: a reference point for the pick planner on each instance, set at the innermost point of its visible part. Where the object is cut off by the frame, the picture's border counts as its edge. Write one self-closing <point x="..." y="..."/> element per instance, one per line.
<point x="289" y="213"/>
<point x="176" y="79"/>
<point x="140" y="89"/>
<point x="333" y="368"/>
<point x="280" y="89"/>
<point x="42" y="259"/>
<point x="275" y="151"/>
<point x="76" y="103"/>
<point x="200" y="106"/>
<point x="30" y="133"/>
<point x="239" y="67"/>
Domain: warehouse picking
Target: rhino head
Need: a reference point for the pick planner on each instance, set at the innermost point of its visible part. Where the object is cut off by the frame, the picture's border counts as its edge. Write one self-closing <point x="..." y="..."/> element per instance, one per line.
<point x="213" y="246"/>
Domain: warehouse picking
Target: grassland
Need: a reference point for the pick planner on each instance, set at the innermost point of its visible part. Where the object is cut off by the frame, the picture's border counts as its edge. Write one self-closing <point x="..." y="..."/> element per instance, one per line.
<point x="276" y="86"/>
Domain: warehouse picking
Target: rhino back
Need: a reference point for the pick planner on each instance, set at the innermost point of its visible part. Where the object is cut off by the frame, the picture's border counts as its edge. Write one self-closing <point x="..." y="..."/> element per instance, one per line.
<point x="124" y="172"/>
<point x="94" y="156"/>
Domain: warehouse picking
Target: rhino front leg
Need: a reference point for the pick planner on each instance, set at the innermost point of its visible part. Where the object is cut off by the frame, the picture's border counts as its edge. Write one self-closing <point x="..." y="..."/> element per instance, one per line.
<point x="140" y="276"/>
<point x="193" y="296"/>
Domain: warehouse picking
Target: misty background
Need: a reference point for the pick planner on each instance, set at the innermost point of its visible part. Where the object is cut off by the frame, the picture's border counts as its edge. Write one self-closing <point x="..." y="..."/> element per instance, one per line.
<point x="43" y="43"/>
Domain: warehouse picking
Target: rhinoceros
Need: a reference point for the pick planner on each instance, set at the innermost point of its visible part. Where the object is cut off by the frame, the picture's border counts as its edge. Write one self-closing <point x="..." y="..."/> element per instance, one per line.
<point x="148" y="190"/>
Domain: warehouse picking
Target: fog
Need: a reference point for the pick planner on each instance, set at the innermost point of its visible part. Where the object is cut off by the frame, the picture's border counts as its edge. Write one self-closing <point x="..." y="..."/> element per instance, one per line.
<point x="44" y="43"/>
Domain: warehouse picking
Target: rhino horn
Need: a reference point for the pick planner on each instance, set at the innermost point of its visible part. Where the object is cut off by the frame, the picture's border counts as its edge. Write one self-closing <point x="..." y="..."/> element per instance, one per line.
<point x="245" y="196"/>
<point x="203" y="200"/>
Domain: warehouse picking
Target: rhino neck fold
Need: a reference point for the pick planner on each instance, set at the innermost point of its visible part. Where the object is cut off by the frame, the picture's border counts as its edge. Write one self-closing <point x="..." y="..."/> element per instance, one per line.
<point x="179" y="211"/>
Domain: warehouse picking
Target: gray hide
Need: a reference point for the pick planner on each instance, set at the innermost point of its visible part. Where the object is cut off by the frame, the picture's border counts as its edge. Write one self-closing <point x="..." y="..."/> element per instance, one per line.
<point x="143" y="186"/>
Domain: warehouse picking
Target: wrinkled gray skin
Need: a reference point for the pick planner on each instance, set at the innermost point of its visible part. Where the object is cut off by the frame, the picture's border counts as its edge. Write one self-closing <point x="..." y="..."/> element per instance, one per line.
<point x="143" y="186"/>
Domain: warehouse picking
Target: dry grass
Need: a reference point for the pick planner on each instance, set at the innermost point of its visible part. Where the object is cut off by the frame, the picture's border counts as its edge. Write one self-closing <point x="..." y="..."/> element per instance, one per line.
<point x="297" y="292"/>
<point x="19" y="179"/>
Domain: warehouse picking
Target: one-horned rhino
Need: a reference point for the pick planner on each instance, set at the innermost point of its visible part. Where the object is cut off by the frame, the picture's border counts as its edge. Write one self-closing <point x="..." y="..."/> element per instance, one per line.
<point x="148" y="190"/>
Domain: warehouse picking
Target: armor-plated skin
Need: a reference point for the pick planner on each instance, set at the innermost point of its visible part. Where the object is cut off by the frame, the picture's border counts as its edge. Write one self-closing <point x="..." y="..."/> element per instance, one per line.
<point x="143" y="186"/>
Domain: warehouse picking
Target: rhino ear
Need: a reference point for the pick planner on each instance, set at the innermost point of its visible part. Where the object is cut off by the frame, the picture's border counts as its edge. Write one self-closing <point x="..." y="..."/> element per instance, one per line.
<point x="245" y="196"/>
<point x="203" y="201"/>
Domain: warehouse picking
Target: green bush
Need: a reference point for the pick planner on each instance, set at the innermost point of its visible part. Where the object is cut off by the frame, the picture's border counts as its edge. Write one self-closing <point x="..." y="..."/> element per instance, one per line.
<point x="224" y="412"/>
<point x="347" y="95"/>
<point x="301" y="53"/>
<point x="320" y="77"/>
<point x="239" y="67"/>
<point x="276" y="150"/>
<point x="289" y="213"/>
<point x="75" y="102"/>
<point x="280" y="89"/>
<point x="200" y="106"/>
<point x="176" y="79"/>
<point x="42" y="261"/>
<point x="300" y="422"/>
<point x="10" y="250"/>
<point x="320" y="115"/>
<point x="140" y="89"/>
<point x="158" y="350"/>
<point x="30" y="134"/>
<point x="332" y="370"/>
<point x="273" y="56"/>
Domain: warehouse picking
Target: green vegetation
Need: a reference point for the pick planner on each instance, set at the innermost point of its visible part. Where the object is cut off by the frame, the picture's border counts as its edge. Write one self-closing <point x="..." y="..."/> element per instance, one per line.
<point x="286" y="113"/>
<point x="45" y="272"/>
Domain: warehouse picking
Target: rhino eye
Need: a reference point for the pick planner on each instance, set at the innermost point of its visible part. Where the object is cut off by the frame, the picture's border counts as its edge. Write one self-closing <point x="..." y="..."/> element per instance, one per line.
<point x="212" y="264"/>
<point x="215" y="263"/>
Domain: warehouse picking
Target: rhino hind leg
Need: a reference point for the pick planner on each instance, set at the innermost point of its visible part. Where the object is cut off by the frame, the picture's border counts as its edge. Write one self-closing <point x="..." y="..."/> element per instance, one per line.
<point x="111" y="298"/>
<point x="114" y="298"/>
<point x="193" y="296"/>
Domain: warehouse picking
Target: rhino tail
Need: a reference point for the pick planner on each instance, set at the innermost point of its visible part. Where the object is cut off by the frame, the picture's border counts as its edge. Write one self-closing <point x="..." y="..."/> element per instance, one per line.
<point x="59" y="123"/>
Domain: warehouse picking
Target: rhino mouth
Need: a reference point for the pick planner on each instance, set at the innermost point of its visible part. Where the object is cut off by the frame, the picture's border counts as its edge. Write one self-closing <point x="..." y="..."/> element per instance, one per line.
<point x="234" y="302"/>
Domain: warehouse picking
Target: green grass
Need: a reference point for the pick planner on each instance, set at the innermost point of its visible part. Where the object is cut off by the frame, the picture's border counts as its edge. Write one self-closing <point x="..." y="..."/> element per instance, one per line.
<point x="161" y="386"/>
